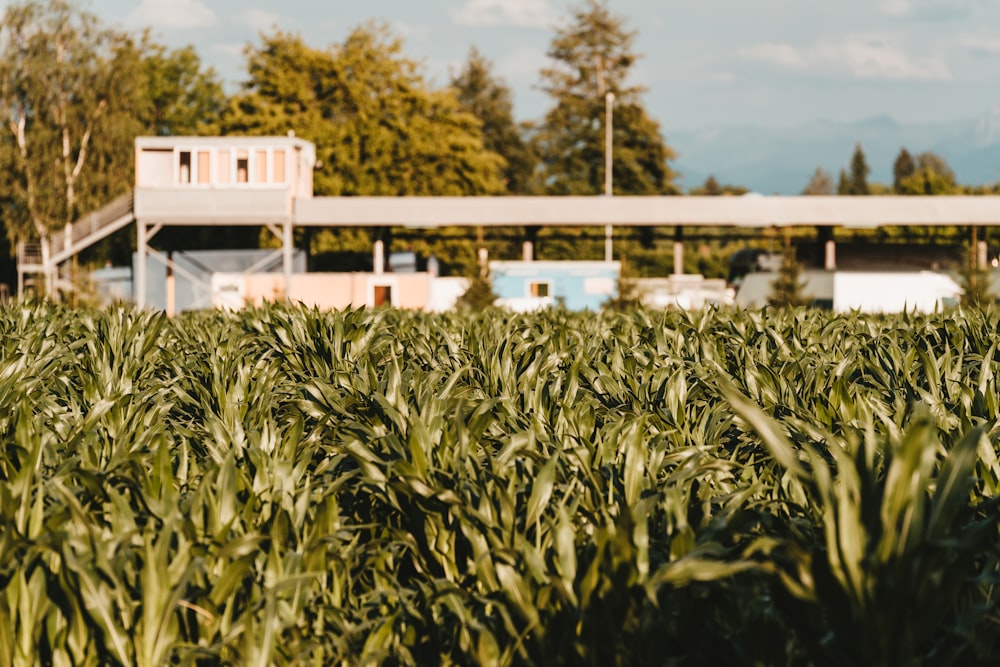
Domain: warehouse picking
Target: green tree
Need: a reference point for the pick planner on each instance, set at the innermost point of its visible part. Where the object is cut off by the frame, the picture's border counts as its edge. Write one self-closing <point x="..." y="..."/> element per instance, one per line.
<point x="479" y="295"/>
<point x="628" y="296"/>
<point x="786" y="290"/>
<point x="378" y="127"/>
<point x="843" y="184"/>
<point x="593" y="55"/>
<point x="57" y="84"/>
<point x="974" y="278"/>
<point x="819" y="184"/>
<point x="857" y="182"/>
<point x="489" y="99"/>
<point x="168" y="92"/>
<point x="73" y="97"/>
<point x="931" y="176"/>
<point x="178" y="96"/>
<point x="710" y="188"/>
<point x="902" y="168"/>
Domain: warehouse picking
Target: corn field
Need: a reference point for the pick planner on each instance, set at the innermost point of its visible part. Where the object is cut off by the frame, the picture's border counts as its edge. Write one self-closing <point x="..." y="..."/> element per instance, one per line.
<point x="292" y="487"/>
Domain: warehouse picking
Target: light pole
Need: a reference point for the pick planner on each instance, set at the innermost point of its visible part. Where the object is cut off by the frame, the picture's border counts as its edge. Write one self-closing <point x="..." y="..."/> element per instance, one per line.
<point x="609" y="103"/>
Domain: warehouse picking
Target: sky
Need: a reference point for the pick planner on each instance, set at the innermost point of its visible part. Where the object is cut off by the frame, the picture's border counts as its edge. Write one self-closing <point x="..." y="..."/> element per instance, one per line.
<point x="704" y="63"/>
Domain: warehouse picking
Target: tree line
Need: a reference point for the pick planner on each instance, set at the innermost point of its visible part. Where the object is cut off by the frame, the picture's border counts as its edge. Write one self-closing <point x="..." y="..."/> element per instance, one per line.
<point x="926" y="173"/>
<point x="74" y="93"/>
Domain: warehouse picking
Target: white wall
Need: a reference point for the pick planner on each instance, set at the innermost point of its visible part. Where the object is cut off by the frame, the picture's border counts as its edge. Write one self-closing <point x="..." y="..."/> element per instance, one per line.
<point x="444" y="293"/>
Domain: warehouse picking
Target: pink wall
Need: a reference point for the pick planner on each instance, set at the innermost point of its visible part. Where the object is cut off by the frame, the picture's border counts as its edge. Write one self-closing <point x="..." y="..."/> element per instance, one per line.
<point x="339" y="290"/>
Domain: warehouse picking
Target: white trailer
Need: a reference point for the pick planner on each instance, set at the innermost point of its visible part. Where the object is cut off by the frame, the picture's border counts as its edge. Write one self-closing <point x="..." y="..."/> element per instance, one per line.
<point x="893" y="292"/>
<point x="865" y="291"/>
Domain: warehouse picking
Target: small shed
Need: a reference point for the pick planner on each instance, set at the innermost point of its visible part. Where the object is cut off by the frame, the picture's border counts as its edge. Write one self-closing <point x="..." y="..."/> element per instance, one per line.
<point x="576" y="285"/>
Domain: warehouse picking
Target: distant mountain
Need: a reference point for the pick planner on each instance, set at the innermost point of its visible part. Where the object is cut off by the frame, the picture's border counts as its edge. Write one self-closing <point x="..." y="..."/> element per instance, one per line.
<point x="782" y="160"/>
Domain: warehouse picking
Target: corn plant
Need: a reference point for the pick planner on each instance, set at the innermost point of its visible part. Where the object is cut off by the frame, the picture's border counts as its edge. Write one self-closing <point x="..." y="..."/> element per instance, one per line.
<point x="285" y="486"/>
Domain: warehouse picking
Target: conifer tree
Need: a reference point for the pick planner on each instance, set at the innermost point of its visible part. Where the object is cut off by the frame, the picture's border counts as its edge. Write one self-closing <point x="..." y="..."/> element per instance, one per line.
<point x="974" y="279"/>
<point x="488" y="98"/>
<point x="593" y="55"/>
<point x="858" y="179"/>
<point x="786" y="290"/>
<point x="819" y="184"/>
<point x="628" y="296"/>
<point x="902" y="168"/>
<point x="843" y="185"/>
<point x="479" y="295"/>
<point x="711" y="187"/>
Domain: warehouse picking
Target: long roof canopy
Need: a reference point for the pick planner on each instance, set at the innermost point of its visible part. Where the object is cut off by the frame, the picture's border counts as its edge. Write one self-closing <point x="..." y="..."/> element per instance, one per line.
<point x="743" y="211"/>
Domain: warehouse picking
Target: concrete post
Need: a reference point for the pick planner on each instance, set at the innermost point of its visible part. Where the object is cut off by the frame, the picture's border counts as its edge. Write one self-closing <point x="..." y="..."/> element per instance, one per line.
<point x="287" y="249"/>
<point x="378" y="258"/>
<point x="982" y="255"/>
<point x="49" y="268"/>
<point x="528" y="251"/>
<point x="484" y="260"/>
<point x="678" y="251"/>
<point x="830" y="256"/>
<point x="20" y="271"/>
<point x="171" y="285"/>
<point x="140" y="264"/>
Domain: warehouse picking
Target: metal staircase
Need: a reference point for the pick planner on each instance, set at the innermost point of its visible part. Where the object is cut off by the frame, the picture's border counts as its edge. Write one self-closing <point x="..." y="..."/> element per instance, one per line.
<point x="44" y="258"/>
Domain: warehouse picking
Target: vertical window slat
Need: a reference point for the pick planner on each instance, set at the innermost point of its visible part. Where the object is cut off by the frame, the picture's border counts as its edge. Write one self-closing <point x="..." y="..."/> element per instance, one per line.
<point x="279" y="166"/>
<point x="261" y="166"/>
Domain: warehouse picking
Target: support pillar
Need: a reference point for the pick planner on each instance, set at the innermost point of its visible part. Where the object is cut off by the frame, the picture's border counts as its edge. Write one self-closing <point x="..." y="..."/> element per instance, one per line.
<point x="826" y="249"/>
<point x="608" y="243"/>
<point x="982" y="255"/>
<point x="530" y="240"/>
<point x="140" y="264"/>
<point x="49" y="268"/>
<point x="484" y="261"/>
<point x="378" y="258"/>
<point x="482" y="254"/>
<point x="287" y="252"/>
<point x="171" y="285"/>
<point x="678" y="251"/>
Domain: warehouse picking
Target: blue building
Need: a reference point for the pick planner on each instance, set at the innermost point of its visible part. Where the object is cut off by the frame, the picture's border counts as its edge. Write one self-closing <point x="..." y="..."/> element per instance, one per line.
<point x="538" y="284"/>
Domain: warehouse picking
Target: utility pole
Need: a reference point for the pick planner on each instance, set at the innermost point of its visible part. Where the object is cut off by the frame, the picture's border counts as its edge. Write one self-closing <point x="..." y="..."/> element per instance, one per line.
<point x="609" y="105"/>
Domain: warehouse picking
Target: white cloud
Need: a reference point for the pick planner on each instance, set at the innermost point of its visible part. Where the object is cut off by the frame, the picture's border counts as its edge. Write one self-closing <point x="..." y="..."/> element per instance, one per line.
<point x="981" y="44"/>
<point x="519" y="13"/>
<point x="260" y="20"/>
<point x="865" y="56"/>
<point x="932" y="10"/>
<point x="411" y="31"/>
<point x="231" y="49"/>
<point x="895" y="7"/>
<point x="521" y="64"/>
<point x="177" y="15"/>
<point x="783" y="55"/>
<point x="723" y="77"/>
